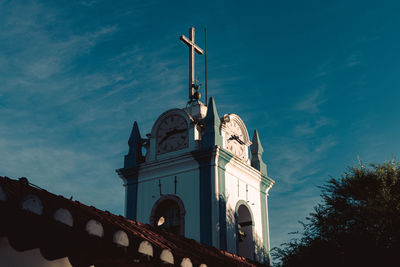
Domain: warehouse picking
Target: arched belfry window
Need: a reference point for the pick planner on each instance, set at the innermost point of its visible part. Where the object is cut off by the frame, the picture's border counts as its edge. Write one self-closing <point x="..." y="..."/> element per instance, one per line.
<point x="245" y="223"/>
<point x="169" y="213"/>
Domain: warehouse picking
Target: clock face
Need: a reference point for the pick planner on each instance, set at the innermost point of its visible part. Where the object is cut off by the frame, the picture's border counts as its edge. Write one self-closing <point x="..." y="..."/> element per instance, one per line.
<point x="172" y="134"/>
<point x="234" y="141"/>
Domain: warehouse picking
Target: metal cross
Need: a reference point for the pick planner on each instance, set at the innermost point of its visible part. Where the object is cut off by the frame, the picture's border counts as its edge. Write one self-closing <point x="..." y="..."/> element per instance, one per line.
<point x="192" y="48"/>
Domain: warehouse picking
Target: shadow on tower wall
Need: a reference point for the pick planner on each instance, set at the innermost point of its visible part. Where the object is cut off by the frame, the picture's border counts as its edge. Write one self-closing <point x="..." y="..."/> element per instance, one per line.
<point x="253" y="246"/>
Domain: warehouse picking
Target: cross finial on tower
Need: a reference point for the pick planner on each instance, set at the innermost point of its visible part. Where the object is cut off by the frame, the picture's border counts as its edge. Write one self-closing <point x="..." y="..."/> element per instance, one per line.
<point x="192" y="49"/>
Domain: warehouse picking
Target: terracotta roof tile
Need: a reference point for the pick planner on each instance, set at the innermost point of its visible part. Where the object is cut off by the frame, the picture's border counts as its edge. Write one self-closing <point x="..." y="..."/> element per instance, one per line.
<point x="104" y="251"/>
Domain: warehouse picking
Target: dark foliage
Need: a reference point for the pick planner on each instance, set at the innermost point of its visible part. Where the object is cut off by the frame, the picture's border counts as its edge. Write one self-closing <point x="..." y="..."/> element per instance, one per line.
<point x="356" y="224"/>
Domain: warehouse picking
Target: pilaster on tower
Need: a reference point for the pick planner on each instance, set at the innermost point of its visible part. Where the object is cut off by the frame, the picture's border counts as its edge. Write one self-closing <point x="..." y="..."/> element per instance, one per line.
<point x="212" y="123"/>
<point x="256" y="153"/>
<point x="135" y="142"/>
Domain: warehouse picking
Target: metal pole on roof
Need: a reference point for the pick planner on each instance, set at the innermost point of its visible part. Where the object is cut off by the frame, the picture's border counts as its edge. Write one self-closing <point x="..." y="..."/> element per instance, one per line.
<point x="205" y="55"/>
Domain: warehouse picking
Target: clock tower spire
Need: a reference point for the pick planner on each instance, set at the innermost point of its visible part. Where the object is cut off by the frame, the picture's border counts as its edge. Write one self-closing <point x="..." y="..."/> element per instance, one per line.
<point x="197" y="177"/>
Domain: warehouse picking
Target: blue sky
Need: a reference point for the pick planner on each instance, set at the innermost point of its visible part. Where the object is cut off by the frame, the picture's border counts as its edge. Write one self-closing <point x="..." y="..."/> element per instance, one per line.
<point x="318" y="79"/>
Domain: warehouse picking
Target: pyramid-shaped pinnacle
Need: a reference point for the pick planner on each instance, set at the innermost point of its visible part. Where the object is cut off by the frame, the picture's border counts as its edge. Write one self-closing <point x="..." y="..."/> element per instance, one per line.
<point x="212" y="117"/>
<point x="212" y="135"/>
<point x="256" y="147"/>
<point x="135" y="142"/>
<point x="135" y="135"/>
<point x="256" y="154"/>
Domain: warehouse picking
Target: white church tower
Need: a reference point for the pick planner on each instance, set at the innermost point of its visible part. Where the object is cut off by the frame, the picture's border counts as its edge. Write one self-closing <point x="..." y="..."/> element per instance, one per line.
<point x="193" y="175"/>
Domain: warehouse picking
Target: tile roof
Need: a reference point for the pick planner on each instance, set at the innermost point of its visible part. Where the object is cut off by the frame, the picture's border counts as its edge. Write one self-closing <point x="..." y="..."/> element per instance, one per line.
<point x="35" y="218"/>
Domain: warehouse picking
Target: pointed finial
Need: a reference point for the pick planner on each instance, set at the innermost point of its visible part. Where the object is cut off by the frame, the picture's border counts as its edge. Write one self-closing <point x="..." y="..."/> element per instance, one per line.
<point x="135" y="135"/>
<point x="256" y="154"/>
<point x="212" y="123"/>
<point x="212" y="117"/>
<point x="256" y="147"/>
<point x="135" y="142"/>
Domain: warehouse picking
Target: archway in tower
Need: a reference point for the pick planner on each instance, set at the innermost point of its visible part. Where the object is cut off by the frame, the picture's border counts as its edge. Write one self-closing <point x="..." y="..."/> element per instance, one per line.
<point x="168" y="213"/>
<point x="245" y="238"/>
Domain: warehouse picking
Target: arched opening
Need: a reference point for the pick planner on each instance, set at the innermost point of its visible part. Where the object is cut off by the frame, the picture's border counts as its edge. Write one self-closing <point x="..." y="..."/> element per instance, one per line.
<point x="245" y="240"/>
<point x="168" y="213"/>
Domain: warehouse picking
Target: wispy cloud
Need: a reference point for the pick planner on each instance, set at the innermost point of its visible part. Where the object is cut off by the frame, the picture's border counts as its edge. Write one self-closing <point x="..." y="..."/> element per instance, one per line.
<point x="288" y="209"/>
<point x="35" y="51"/>
<point x="58" y="122"/>
<point x="296" y="192"/>
<point x="310" y="127"/>
<point x="88" y="2"/>
<point x="311" y="102"/>
<point x="353" y="60"/>
<point x="315" y="119"/>
<point x="296" y="162"/>
<point x="323" y="69"/>
<point x="60" y="168"/>
<point x="333" y="66"/>
<point x="297" y="154"/>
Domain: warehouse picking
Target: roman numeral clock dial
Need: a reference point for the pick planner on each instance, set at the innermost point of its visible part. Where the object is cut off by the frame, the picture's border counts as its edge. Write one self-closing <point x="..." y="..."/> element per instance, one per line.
<point x="172" y="134"/>
<point x="234" y="140"/>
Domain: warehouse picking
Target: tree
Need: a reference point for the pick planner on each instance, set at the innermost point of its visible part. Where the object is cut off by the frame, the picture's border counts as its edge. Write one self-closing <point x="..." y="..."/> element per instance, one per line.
<point x="356" y="224"/>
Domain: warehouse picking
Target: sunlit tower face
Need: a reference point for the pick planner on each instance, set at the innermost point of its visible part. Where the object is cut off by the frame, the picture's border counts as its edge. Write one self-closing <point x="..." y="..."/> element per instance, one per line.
<point x="196" y="173"/>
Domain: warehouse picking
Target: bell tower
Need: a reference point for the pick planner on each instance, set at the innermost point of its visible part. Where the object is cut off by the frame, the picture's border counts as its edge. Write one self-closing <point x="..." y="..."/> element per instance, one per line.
<point x="198" y="174"/>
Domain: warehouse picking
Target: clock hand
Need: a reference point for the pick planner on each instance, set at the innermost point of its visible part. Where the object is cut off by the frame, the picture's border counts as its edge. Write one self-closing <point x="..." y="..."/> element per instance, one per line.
<point x="167" y="134"/>
<point x="172" y="132"/>
<point x="235" y="137"/>
<point x="175" y="131"/>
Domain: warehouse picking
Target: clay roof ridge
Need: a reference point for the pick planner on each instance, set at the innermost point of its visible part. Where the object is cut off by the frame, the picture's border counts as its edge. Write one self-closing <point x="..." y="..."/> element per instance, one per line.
<point x="179" y="245"/>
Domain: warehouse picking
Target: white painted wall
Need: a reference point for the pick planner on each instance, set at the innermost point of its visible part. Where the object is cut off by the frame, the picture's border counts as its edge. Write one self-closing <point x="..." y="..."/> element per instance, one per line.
<point x="32" y="258"/>
<point x="186" y="169"/>
<point x="237" y="172"/>
<point x="162" y="169"/>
